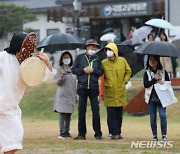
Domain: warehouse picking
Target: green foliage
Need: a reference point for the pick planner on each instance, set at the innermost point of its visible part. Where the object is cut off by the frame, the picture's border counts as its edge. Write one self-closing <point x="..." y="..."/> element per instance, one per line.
<point x="38" y="101"/>
<point x="13" y="17"/>
<point x="28" y="30"/>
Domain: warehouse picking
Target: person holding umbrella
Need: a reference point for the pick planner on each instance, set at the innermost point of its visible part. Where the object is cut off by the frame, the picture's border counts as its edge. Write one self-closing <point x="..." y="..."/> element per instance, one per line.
<point x="155" y="74"/>
<point x="88" y="69"/>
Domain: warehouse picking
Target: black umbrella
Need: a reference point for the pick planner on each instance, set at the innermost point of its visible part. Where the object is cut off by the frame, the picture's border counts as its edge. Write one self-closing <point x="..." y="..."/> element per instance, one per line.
<point x="126" y="42"/>
<point x="130" y="43"/>
<point x="107" y="30"/>
<point x="101" y="54"/>
<point x="134" y="60"/>
<point x="159" y="48"/>
<point x="60" y="41"/>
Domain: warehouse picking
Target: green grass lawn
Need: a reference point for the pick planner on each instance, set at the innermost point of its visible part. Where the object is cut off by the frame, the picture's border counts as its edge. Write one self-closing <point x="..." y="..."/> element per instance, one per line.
<point x="41" y="127"/>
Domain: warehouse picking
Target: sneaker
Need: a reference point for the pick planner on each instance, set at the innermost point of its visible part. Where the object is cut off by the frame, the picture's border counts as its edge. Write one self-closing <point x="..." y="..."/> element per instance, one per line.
<point x="109" y="136"/>
<point x="61" y="137"/>
<point x="115" y="137"/>
<point x="68" y="135"/>
<point x="120" y="137"/>
<point x="80" y="137"/>
<point x="155" y="138"/>
<point x="98" y="137"/>
<point x="164" y="138"/>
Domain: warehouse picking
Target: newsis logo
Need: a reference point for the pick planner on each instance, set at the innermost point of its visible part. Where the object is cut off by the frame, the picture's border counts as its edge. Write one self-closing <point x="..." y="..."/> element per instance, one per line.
<point x="107" y="10"/>
<point x="152" y="144"/>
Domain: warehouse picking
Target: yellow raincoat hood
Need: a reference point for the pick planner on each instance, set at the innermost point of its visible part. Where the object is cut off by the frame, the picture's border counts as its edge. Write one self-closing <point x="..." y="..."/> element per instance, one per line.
<point x="113" y="47"/>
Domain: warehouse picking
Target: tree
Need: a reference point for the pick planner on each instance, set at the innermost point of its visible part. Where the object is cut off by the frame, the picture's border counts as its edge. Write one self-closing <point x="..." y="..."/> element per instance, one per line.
<point x="13" y="17"/>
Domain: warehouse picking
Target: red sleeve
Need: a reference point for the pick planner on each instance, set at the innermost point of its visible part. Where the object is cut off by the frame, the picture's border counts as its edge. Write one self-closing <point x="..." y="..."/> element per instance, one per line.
<point x="102" y="87"/>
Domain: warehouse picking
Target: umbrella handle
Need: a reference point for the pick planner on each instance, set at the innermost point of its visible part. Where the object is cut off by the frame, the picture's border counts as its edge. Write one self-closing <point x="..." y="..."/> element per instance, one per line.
<point x="159" y="32"/>
<point x="42" y="50"/>
<point x="160" y="28"/>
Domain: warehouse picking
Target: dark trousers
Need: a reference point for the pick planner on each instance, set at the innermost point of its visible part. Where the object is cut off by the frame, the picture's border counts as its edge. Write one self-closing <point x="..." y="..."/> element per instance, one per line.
<point x="114" y="119"/>
<point x="82" y="105"/>
<point x="153" y="106"/>
<point x="64" y="123"/>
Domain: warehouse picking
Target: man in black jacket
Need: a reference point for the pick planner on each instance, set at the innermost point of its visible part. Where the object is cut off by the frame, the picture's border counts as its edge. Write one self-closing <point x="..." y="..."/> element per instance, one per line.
<point x="88" y="69"/>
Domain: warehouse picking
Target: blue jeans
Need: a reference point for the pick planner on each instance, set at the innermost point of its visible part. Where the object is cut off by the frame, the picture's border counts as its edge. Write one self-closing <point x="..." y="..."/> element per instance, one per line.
<point x="114" y="119"/>
<point x="82" y="105"/>
<point x="153" y="106"/>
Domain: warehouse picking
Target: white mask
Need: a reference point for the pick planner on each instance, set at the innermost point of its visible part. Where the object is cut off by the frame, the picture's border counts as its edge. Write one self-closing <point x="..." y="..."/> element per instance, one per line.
<point x="66" y="61"/>
<point x="91" y="52"/>
<point x="110" y="53"/>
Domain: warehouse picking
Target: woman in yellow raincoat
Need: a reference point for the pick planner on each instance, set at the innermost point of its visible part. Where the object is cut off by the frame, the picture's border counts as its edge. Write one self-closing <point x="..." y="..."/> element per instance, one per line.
<point x="116" y="75"/>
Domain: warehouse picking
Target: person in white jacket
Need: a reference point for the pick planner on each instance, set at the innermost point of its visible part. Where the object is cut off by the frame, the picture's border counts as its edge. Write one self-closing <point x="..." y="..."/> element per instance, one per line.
<point x="12" y="90"/>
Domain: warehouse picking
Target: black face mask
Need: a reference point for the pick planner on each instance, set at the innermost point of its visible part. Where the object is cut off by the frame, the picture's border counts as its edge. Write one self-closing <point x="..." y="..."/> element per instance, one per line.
<point x="15" y="43"/>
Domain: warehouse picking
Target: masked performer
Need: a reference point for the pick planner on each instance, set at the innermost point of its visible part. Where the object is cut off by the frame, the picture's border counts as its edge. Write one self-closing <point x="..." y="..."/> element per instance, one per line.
<point x="12" y="89"/>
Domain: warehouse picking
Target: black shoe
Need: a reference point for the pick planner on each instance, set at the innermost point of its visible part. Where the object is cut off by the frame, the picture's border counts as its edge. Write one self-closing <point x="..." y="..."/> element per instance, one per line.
<point x="80" y="137"/>
<point x="98" y="137"/>
<point x="120" y="137"/>
<point x="155" y="138"/>
<point x="68" y="135"/>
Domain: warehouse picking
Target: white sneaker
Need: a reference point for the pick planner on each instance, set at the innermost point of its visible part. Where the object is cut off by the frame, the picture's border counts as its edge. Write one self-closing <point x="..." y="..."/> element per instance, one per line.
<point x="61" y="137"/>
<point x="164" y="138"/>
<point x="109" y="136"/>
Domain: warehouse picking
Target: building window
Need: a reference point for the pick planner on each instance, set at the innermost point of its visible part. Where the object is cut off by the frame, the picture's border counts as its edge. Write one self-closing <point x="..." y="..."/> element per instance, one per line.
<point x="52" y="31"/>
<point x="69" y="30"/>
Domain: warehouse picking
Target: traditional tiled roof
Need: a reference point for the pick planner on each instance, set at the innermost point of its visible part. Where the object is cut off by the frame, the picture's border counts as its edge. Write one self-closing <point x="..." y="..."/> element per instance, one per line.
<point x="34" y="5"/>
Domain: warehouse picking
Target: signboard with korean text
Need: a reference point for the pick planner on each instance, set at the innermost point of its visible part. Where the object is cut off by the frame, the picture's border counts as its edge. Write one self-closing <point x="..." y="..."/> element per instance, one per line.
<point x="126" y="9"/>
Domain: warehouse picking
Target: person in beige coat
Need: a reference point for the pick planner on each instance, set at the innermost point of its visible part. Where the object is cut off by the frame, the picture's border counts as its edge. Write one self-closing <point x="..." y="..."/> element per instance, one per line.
<point x="166" y="62"/>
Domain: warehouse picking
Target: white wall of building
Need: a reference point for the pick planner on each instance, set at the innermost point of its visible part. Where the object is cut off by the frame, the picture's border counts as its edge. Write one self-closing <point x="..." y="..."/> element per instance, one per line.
<point x="43" y="25"/>
<point x="172" y="14"/>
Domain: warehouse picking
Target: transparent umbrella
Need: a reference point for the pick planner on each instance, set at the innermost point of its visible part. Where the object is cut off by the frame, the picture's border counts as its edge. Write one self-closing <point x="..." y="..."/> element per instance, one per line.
<point x="160" y="23"/>
<point x="140" y="34"/>
<point x="108" y="37"/>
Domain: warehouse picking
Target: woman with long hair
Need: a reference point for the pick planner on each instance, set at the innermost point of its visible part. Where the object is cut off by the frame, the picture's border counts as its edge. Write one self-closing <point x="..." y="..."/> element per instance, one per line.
<point x="155" y="74"/>
<point x="166" y="61"/>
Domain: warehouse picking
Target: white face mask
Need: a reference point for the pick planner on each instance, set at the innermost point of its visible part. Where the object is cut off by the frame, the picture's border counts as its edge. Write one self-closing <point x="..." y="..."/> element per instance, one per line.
<point x="66" y="61"/>
<point x="110" y="53"/>
<point x="91" y="52"/>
